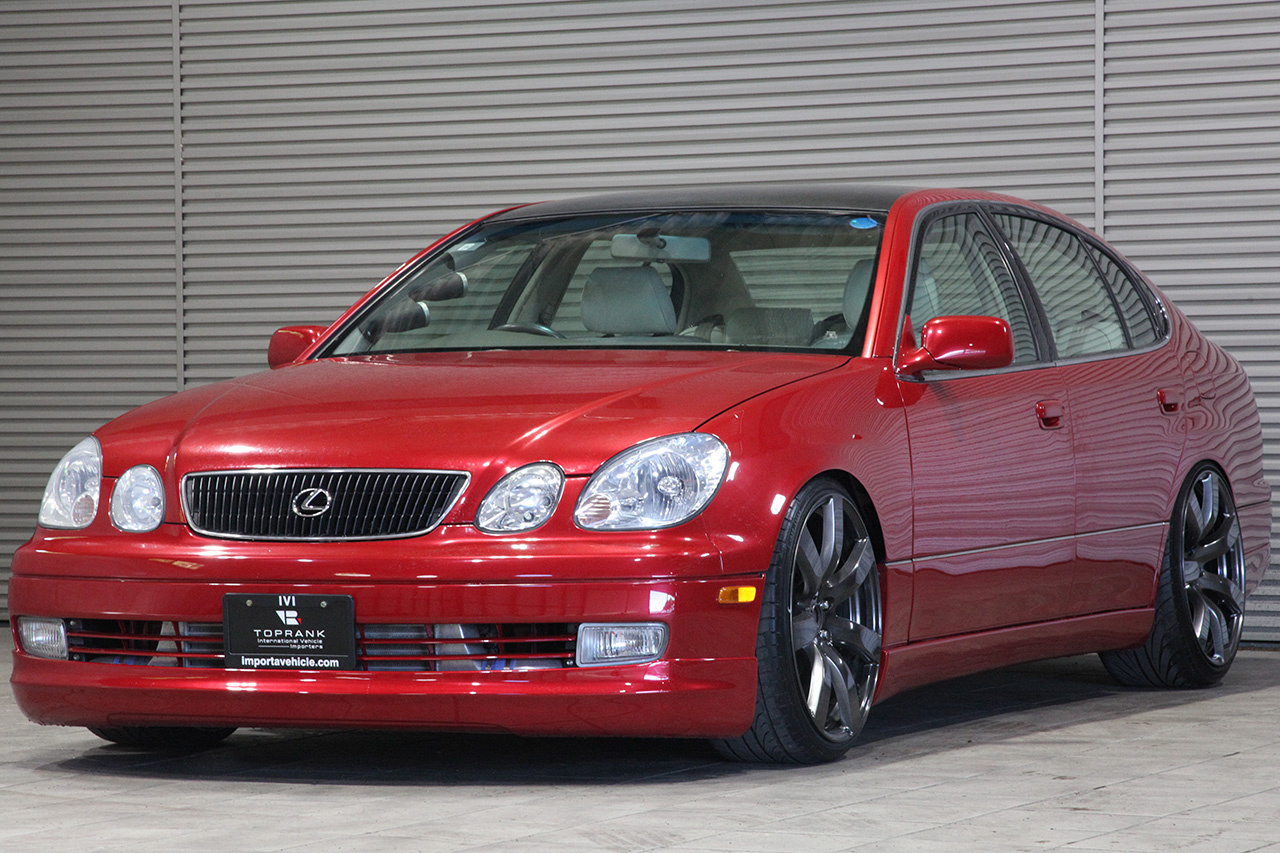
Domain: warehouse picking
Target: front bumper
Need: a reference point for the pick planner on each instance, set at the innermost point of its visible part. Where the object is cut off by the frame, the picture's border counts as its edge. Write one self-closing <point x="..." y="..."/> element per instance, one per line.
<point x="704" y="686"/>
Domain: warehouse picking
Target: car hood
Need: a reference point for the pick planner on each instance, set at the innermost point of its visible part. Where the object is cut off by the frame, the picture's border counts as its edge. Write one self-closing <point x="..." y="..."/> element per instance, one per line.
<point x="472" y="411"/>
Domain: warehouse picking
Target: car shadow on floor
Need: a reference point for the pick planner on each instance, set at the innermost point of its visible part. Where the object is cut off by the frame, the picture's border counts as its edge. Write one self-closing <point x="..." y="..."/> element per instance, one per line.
<point x="1029" y="700"/>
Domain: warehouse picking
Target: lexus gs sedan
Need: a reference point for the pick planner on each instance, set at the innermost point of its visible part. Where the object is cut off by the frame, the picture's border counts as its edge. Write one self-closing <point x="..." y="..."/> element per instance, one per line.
<point x="733" y="464"/>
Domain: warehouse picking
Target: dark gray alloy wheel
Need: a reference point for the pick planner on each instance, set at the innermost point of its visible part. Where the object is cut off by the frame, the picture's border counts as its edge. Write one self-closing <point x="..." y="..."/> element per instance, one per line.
<point x="820" y="627"/>
<point x="1200" y="598"/>
<point x="162" y="738"/>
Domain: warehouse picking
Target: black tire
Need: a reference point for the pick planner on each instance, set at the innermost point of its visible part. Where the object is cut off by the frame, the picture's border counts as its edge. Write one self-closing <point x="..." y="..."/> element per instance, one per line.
<point x="164" y="738"/>
<point x="1200" y="597"/>
<point x="819" y="638"/>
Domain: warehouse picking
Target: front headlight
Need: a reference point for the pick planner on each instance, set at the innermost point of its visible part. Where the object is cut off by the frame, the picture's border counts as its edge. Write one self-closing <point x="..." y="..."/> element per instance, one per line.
<point x="522" y="500"/>
<point x="658" y="483"/>
<point x="71" y="498"/>
<point x="137" y="502"/>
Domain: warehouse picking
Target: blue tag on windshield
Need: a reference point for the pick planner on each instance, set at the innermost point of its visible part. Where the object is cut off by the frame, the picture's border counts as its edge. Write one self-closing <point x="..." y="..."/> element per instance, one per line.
<point x="864" y="222"/>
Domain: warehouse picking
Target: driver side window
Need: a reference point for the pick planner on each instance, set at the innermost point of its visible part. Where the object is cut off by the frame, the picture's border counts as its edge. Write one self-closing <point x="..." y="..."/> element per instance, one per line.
<point x="960" y="270"/>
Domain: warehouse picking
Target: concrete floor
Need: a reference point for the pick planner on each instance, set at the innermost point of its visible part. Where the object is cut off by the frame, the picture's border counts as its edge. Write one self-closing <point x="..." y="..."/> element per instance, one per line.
<point x="1045" y="756"/>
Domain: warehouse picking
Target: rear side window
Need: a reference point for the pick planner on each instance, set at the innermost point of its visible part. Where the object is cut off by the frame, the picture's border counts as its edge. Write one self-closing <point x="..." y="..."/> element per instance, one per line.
<point x="1082" y="315"/>
<point x="1142" y="328"/>
<point x="960" y="270"/>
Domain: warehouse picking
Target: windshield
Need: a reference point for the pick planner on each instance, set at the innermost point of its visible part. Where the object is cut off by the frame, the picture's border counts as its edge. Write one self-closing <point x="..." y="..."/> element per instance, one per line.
<point x="728" y="279"/>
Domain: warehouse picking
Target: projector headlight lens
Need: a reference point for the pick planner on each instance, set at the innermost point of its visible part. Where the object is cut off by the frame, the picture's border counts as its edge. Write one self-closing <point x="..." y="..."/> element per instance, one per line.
<point x="522" y="500"/>
<point x="137" y="502"/>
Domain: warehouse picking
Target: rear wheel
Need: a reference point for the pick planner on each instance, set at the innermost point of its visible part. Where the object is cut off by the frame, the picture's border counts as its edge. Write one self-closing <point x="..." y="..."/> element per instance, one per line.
<point x="820" y="627"/>
<point x="1200" y="598"/>
<point x="164" y="737"/>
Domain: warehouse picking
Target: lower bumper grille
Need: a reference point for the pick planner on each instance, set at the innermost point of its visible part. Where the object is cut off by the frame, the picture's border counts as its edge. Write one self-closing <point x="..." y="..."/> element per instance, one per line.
<point x="455" y="647"/>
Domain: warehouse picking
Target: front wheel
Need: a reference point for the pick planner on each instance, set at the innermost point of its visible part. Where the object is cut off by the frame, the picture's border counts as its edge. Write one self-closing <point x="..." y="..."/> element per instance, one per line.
<point x="164" y="738"/>
<point x="1200" y="597"/>
<point x="820" y="629"/>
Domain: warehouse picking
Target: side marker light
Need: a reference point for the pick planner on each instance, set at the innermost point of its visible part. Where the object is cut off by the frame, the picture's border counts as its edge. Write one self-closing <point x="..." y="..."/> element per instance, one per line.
<point x="736" y="595"/>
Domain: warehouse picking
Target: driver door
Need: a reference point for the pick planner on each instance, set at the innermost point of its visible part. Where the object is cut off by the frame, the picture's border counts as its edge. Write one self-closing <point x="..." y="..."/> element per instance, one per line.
<point x="991" y="452"/>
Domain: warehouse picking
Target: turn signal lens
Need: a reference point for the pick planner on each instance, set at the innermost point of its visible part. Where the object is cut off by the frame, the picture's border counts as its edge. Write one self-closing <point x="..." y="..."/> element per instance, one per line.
<point x="736" y="595"/>
<point x="612" y="645"/>
<point x="43" y="638"/>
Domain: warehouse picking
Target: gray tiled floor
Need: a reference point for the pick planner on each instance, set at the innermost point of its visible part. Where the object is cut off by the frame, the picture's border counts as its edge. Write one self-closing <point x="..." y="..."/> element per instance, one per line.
<point x="1046" y="756"/>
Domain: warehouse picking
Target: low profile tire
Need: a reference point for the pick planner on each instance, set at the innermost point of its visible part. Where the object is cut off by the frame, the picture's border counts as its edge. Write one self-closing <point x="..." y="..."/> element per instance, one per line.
<point x="164" y="738"/>
<point x="1200" y="597"/>
<point x="819" y="642"/>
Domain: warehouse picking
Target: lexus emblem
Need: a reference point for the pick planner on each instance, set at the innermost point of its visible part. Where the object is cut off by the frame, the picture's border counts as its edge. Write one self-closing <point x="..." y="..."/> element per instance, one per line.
<point x="310" y="503"/>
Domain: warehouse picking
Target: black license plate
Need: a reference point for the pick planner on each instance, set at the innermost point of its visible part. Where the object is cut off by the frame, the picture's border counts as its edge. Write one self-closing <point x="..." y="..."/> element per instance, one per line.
<point x="289" y="631"/>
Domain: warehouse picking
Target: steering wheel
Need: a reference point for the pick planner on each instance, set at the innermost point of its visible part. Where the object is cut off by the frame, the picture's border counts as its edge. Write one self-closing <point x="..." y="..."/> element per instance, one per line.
<point x="528" y="329"/>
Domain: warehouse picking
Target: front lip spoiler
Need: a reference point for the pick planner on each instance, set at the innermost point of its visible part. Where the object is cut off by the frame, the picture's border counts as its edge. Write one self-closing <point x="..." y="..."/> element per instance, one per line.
<point x="668" y="698"/>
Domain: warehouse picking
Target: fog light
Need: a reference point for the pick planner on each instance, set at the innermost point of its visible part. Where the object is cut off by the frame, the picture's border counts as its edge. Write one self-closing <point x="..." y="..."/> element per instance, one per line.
<point x="610" y="645"/>
<point x="43" y="638"/>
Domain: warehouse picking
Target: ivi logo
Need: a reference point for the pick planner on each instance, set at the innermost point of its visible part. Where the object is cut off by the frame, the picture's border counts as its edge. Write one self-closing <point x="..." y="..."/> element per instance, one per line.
<point x="288" y="617"/>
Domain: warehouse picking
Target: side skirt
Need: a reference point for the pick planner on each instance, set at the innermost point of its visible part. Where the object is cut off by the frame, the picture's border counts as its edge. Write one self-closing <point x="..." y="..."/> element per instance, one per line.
<point x="914" y="664"/>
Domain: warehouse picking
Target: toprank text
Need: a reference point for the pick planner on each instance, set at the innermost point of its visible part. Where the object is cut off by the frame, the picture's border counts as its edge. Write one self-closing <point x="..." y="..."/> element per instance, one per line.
<point x="289" y="633"/>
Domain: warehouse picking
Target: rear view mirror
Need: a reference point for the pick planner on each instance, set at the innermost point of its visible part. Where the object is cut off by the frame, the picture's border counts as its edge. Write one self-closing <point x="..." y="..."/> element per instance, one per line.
<point x="959" y="343"/>
<point x="290" y="342"/>
<point x="649" y="245"/>
<point x="451" y="285"/>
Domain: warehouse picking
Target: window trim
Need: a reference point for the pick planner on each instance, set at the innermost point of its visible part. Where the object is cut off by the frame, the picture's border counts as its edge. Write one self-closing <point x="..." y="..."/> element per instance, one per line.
<point x="1147" y="295"/>
<point x="1046" y="356"/>
<point x="375" y="298"/>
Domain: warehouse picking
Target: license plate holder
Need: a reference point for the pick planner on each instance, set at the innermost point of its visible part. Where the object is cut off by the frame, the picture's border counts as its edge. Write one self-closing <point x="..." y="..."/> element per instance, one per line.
<point x="287" y="631"/>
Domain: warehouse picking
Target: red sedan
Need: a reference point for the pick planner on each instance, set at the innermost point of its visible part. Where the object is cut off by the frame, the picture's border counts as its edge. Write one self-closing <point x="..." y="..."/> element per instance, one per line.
<point x="733" y="464"/>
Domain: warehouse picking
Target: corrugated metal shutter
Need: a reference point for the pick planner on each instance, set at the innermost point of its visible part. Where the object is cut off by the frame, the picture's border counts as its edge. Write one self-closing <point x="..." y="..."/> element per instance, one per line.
<point x="1192" y="175"/>
<point x="325" y="142"/>
<point x="87" y="261"/>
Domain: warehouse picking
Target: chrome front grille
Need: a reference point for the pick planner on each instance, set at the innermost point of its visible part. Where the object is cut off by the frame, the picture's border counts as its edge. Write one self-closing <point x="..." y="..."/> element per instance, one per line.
<point x="468" y="647"/>
<point x="314" y="504"/>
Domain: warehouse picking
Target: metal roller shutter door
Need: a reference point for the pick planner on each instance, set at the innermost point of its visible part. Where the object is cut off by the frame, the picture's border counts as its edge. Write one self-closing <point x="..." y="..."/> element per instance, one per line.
<point x="1192" y="171"/>
<point x="87" y="251"/>
<point x="324" y="143"/>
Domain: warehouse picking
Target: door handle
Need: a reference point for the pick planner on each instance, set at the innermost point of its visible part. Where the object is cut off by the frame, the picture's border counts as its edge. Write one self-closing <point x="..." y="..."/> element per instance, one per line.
<point x="1170" y="400"/>
<point x="1050" y="413"/>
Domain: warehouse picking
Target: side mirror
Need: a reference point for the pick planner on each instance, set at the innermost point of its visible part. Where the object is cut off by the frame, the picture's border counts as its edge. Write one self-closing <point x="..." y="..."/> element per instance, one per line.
<point x="290" y="342"/>
<point x="959" y="343"/>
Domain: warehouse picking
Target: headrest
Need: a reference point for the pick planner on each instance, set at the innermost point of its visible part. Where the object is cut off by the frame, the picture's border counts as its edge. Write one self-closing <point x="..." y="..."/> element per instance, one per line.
<point x="627" y="301"/>
<point x="856" y="288"/>
<point x="924" y="306"/>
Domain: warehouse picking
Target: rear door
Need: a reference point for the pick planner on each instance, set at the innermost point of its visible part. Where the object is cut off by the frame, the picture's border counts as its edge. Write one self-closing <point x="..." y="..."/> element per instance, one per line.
<point x="991" y="451"/>
<point x="1125" y="391"/>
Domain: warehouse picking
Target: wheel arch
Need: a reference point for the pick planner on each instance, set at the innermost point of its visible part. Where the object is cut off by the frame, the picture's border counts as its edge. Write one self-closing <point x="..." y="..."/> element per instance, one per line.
<point x="862" y="498"/>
